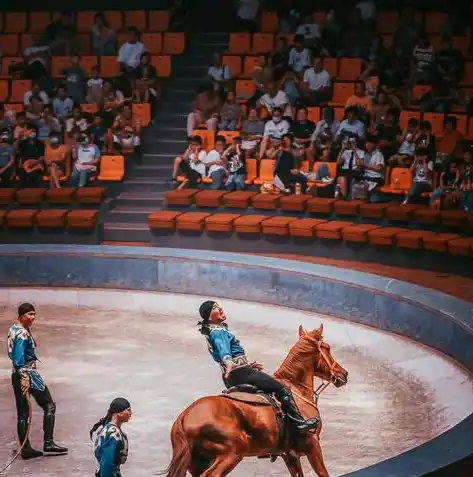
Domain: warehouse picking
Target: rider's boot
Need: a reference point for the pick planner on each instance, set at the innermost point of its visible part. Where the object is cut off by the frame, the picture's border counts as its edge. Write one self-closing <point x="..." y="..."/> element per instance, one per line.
<point x="27" y="452"/>
<point x="289" y="408"/>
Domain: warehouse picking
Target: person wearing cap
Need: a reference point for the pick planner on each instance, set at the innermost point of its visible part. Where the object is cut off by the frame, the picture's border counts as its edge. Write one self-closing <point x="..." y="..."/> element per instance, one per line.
<point x="26" y="379"/>
<point x="227" y="351"/>
<point x="110" y="442"/>
<point x="86" y="157"/>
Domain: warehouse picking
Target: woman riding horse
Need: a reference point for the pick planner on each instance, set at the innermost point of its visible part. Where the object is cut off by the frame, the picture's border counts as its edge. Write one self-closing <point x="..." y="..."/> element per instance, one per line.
<point x="236" y="370"/>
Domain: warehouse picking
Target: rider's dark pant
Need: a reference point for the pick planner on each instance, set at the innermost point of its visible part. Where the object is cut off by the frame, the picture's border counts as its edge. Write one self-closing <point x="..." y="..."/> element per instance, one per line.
<point x="261" y="380"/>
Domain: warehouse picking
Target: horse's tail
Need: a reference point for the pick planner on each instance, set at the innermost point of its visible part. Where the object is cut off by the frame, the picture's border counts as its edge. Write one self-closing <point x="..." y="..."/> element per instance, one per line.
<point x="181" y="451"/>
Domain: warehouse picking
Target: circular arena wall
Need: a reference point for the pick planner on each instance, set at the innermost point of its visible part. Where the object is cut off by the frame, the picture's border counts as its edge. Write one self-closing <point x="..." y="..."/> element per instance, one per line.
<point x="430" y="317"/>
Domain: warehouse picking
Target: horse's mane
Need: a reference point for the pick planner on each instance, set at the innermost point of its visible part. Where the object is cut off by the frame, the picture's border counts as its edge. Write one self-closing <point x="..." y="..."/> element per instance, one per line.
<point x="296" y="360"/>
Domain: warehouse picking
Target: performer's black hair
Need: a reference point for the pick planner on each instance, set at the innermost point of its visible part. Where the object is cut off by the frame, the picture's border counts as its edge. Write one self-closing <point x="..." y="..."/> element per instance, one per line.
<point x="119" y="404"/>
<point x="100" y="423"/>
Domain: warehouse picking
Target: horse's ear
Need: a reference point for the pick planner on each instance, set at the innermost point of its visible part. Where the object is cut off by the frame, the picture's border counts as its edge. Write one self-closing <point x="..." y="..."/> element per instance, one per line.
<point x="301" y="331"/>
<point x="320" y="331"/>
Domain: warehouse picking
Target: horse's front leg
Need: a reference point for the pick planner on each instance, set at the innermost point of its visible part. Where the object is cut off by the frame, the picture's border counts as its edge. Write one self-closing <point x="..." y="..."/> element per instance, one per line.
<point x="293" y="464"/>
<point x="316" y="458"/>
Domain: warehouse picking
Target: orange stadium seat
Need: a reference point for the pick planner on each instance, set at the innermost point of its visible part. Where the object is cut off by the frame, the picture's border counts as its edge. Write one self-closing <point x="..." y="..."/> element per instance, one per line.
<point x="7" y="196"/>
<point x="332" y="230"/>
<point x="17" y="107"/>
<point x="251" y="171"/>
<point x="58" y="64"/>
<point x="109" y="67"/>
<point x="21" y="218"/>
<point x="266" y="201"/>
<point x="385" y="235"/>
<point x="400" y="181"/>
<point x="174" y="43"/>
<point x="349" y="69"/>
<point x="320" y="205"/>
<point x="88" y="62"/>
<point x="9" y="45"/>
<point x="234" y="64"/>
<point x="18" y="90"/>
<point x="419" y="90"/>
<point x="294" y="202"/>
<point x="239" y="44"/>
<point x="62" y="196"/>
<point x="220" y="222"/>
<point x="192" y="221"/>
<point x="84" y="21"/>
<point x="163" y="219"/>
<point x="209" y="198"/>
<point x="266" y="172"/>
<point x="89" y="108"/>
<point x="115" y="19"/>
<point x="438" y="242"/>
<point x="288" y="36"/>
<point x="331" y="66"/>
<point x="436" y="121"/>
<point x="401" y="213"/>
<point x="462" y="44"/>
<point x="180" y="197"/>
<point x="26" y="41"/>
<point x="30" y="196"/>
<point x="52" y="218"/>
<point x="277" y="225"/>
<point x="240" y="199"/>
<point x="142" y="113"/>
<point x="347" y="207"/>
<point x="122" y="38"/>
<point x="136" y="19"/>
<point x="304" y="227"/>
<point x="39" y="21"/>
<point x="90" y="195"/>
<point x="153" y="42"/>
<point x="249" y="224"/>
<point x="4" y="90"/>
<point x="263" y="43"/>
<point x="313" y="113"/>
<point x="158" y="21"/>
<point x="269" y="22"/>
<point x="386" y="22"/>
<point x="162" y="64"/>
<point x="228" y="135"/>
<point x="84" y="43"/>
<point x="373" y="211"/>
<point x="112" y="168"/>
<point x="358" y="232"/>
<point x="462" y="122"/>
<point x="251" y="62"/>
<point x="245" y="89"/>
<point x="434" y="22"/>
<point x="341" y="93"/>
<point x="208" y="138"/>
<point x="15" y="22"/>
<point x="82" y="219"/>
<point x="8" y="61"/>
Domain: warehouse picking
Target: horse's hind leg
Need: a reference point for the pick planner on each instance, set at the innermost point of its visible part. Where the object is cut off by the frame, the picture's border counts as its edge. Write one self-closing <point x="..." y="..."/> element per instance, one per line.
<point x="222" y="465"/>
<point x="198" y="465"/>
<point x="316" y="458"/>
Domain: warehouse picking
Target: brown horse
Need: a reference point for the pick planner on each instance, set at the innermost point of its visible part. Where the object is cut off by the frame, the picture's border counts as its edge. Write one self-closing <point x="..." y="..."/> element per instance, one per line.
<point x="215" y="433"/>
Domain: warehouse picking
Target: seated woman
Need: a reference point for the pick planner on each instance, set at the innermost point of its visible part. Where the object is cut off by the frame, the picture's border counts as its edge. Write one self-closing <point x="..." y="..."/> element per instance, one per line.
<point x="86" y="158"/>
<point x="31" y="153"/>
<point x="206" y="109"/>
<point x="146" y="83"/>
<point x="55" y="159"/>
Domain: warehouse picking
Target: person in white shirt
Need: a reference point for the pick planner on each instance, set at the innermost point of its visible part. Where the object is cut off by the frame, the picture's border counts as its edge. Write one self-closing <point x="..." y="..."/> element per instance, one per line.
<point x="274" y="130"/>
<point x="309" y="30"/>
<point x="247" y="12"/>
<point x="422" y="170"/>
<point x="350" y="126"/>
<point x="129" y="55"/>
<point x="35" y="91"/>
<point x="350" y="162"/>
<point x="191" y="164"/>
<point x="373" y="165"/>
<point x="86" y="157"/>
<point x="299" y="56"/>
<point x="275" y="98"/>
<point x="216" y="163"/>
<point x="219" y="73"/>
<point x="318" y="82"/>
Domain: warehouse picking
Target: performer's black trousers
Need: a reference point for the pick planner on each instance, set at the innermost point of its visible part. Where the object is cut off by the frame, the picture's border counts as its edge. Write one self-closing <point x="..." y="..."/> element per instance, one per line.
<point x="44" y="400"/>
<point x="261" y="380"/>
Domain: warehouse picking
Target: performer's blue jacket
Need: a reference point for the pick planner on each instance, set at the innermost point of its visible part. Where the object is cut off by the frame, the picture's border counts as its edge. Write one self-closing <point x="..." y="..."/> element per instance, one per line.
<point x="223" y="346"/>
<point x="111" y="450"/>
<point x="21" y="351"/>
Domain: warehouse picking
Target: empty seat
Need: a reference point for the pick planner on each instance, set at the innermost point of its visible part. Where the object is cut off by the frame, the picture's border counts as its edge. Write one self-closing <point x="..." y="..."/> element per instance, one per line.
<point x="251" y="171"/>
<point x="249" y="224"/>
<point x="439" y="242"/>
<point x="413" y="238"/>
<point x="358" y="232"/>
<point x="263" y="43"/>
<point x="400" y="181"/>
<point x="266" y="172"/>
<point x="18" y="90"/>
<point x="90" y="195"/>
<point x="84" y="21"/>
<point x="385" y="235"/>
<point x="59" y="63"/>
<point x="349" y="69"/>
<point x="4" y="90"/>
<point x="9" y="45"/>
<point x="64" y="195"/>
<point x="7" y="196"/>
<point x="115" y="19"/>
<point x="434" y="22"/>
<point x="278" y="225"/>
<point x="112" y="168"/>
<point x="209" y="198"/>
<point x="331" y="66"/>
<point x="341" y="93"/>
<point x="427" y="215"/>
<point x="239" y="44"/>
<point x="158" y="21"/>
<point x="153" y="42"/>
<point x="461" y="246"/>
<point x="30" y="196"/>
<point x="304" y="227"/>
<point x="82" y="219"/>
<point x="88" y="62"/>
<point x="332" y="230"/>
<point x="109" y="67"/>
<point x="373" y="211"/>
<point x="269" y="22"/>
<point x="21" y="218"/>
<point x="220" y="222"/>
<point x="240" y="199"/>
<point x="454" y="218"/>
<point x="163" y="65"/>
<point x="347" y="207"/>
<point x="194" y="221"/>
<point x="266" y="201"/>
<point x="181" y="197"/>
<point x="15" y="22"/>
<point x="245" y="89"/>
<point x="39" y="21"/>
<point x="51" y="218"/>
<point x="163" y="219"/>
<point x="142" y="113"/>
<point x="174" y="43"/>
<point x="320" y="205"/>
<point x="295" y="202"/>
<point x="135" y="18"/>
<point x="401" y="213"/>
<point x="313" y="114"/>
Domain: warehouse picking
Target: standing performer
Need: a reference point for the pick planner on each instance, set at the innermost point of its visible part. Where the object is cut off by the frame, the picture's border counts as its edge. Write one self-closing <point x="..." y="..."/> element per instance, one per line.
<point x="111" y="443"/>
<point x="227" y="351"/>
<point x="26" y="379"/>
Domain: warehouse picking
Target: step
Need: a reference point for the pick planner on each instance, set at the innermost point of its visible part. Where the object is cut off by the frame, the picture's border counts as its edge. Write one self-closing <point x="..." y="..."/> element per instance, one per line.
<point x="171" y="133"/>
<point x="179" y="95"/>
<point x="141" y="199"/>
<point x="124" y="232"/>
<point x="173" y="107"/>
<point x="130" y="215"/>
<point x="145" y="185"/>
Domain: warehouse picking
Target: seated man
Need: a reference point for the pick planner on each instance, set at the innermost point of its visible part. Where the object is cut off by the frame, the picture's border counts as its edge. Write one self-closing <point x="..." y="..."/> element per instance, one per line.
<point x="422" y="171"/>
<point x="31" y="152"/>
<point x="275" y="98"/>
<point x="302" y="130"/>
<point x="318" y="82"/>
<point x="7" y="159"/>
<point x="350" y="161"/>
<point x="274" y="130"/>
<point x="350" y="127"/>
<point x="406" y="151"/>
<point x="252" y="133"/>
<point x="373" y="165"/>
<point x="191" y="164"/>
<point x="216" y="163"/>
<point x="86" y="158"/>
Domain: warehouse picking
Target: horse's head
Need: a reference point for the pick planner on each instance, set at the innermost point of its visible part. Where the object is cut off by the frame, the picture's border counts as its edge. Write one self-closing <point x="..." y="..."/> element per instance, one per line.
<point x="325" y="365"/>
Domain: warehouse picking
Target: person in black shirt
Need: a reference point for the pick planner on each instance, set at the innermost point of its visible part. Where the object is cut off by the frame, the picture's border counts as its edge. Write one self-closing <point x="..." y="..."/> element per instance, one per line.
<point x="389" y="134"/>
<point x="302" y="130"/>
<point x="237" y="165"/>
<point x="279" y="60"/>
<point x="31" y="152"/>
<point x="286" y="174"/>
<point x="450" y="62"/>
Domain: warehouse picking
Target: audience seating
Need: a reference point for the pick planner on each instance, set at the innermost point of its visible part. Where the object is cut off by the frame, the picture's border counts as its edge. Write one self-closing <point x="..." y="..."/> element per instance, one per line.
<point x="55" y="218"/>
<point x="82" y="219"/>
<point x="90" y="195"/>
<point x="112" y="168"/>
<point x="220" y="222"/>
<point x="31" y="196"/>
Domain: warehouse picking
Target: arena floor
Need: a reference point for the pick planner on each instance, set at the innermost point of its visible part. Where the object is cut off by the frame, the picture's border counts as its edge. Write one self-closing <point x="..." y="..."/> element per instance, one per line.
<point x="95" y="345"/>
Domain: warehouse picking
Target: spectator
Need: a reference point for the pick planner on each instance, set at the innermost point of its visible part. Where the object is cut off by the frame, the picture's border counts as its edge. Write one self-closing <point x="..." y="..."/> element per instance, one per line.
<point x="274" y="130"/>
<point x="427" y="139"/>
<point x="34" y="110"/>
<point x="20" y="131"/>
<point x="262" y="76"/>
<point x="449" y="186"/>
<point x="98" y="132"/>
<point x="450" y="62"/>
<point x="439" y="99"/>
<point x="422" y="170"/>
<point x="360" y="100"/>
<point x="350" y="163"/>
<point x="5" y="120"/>
<point x="448" y="143"/>
<point x="7" y="159"/>
<point x="191" y="164"/>
<point x="290" y="85"/>
<point x="103" y="38"/>
<point x="406" y="152"/>
<point x="62" y="104"/>
<point x="60" y="35"/>
<point x="111" y="105"/>
<point x="75" y="80"/>
<point x="466" y="182"/>
<point x="318" y="82"/>
<point x="126" y="140"/>
<point x="146" y="84"/>
<point x="216" y="163"/>
<point x="86" y="158"/>
<point x="380" y="109"/>
<point x="327" y="127"/>
<point x="125" y="119"/>
<point x="373" y="165"/>
<point x="178" y="16"/>
<point x="236" y="165"/>
<point x="252" y="133"/>
<point x="37" y="60"/>
<point x="207" y="106"/>
<point x="389" y="134"/>
<point x="31" y="153"/>
<point x="230" y="113"/>
<point x="392" y="83"/>
<point x="309" y="30"/>
<point x="286" y="173"/>
<point x="247" y="13"/>
<point x="423" y="62"/>
<point x="276" y="98"/>
<point x="130" y="52"/>
<point x="299" y="56"/>
<point x="279" y="59"/>
<point x="35" y="91"/>
<point x="76" y="121"/>
<point x="94" y="87"/>
<point x="55" y="160"/>
<point x="48" y="123"/>
<point x="302" y="130"/>
<point x="350" y="126"/>
<point x="408" y="31"/>
<point x="219" y="74"/>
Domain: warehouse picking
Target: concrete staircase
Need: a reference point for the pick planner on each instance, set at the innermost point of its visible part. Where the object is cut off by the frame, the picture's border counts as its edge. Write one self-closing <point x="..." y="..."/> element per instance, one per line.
<point x="143" y="190"/>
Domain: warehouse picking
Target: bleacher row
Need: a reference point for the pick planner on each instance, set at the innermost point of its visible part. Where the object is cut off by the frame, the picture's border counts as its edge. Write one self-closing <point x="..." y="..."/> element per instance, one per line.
<point x="311" y="229"/>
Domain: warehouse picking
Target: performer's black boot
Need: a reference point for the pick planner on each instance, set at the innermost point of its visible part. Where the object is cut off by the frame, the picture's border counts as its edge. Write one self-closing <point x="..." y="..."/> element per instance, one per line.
<point x="50" y="447"/>
<point x="27" y="452"/>
<point x="290" y="410"/>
